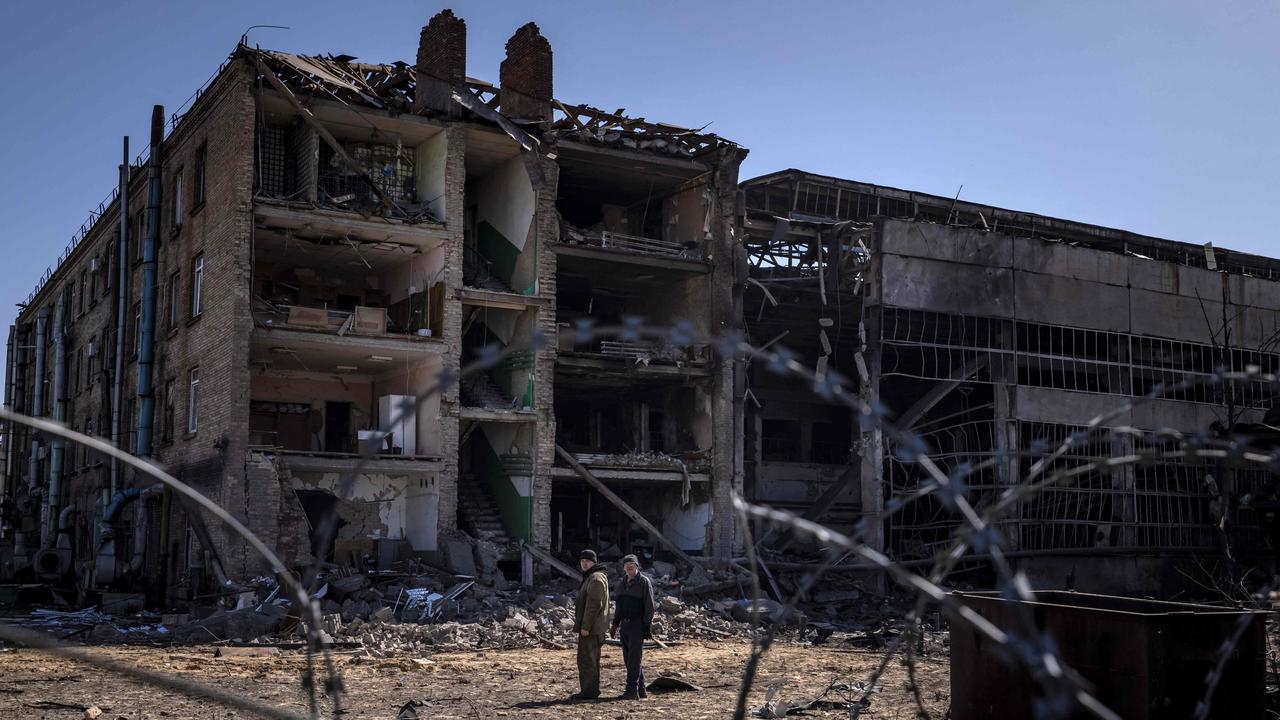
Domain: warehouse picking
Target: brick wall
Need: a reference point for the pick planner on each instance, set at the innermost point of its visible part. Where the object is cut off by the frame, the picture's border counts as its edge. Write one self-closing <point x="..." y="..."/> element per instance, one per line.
<point x="442" y="63"/>
<point x="525" y="75"/>
<point x="455" y="220"/>
<point x="546" y="233"/>
<point x="216" y="343"/>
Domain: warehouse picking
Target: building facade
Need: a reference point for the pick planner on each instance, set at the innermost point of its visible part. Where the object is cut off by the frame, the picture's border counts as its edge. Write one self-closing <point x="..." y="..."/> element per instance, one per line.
<point x="994" y="336"/>
<point x="327" y="243"/>
<point x="276" y="307"/>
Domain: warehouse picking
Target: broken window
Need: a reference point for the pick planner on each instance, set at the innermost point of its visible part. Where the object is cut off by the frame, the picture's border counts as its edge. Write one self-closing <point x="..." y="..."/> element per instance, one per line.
<point x="197" y="284"/>
<point x="177" y="198"/>
<point x="166" y="424"/>
<point x="84" y="289"/>
<point x="780" y="440"/>
<point x="108" y="261"/>
<point x="389" y="167"/>
<point x="93" y="361"/>
<point x="830" y="443"/>
<point x="202" y="155"/>
<point x="193" y="399"/>
<point x="139" y="234"/>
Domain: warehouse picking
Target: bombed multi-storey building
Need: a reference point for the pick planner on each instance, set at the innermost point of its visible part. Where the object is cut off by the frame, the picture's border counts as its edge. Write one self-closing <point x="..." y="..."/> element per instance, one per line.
<point x="311" y="248"/>
<point x="279" y="305"/>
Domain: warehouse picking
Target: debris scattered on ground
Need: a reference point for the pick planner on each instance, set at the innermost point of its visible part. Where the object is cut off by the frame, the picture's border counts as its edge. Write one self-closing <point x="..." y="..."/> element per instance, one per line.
<point x="415" y="607"/>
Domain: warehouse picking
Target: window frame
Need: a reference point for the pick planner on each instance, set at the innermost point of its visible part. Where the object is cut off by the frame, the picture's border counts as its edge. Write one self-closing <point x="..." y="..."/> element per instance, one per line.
<point x="200" y="189"/>
<point x="193" y="400"/>
<point x="177" y="197"/>
<point x="174" y="300"/>
<point x="197" y="285"/>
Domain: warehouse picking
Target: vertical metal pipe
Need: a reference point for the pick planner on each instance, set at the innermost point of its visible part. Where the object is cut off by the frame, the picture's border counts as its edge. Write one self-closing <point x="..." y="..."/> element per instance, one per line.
<point x="53" y="498"/>
<point x="146" y="354"/>
<point x="122" y="302"/>
<point x="11" y="356"/>
<point x="37" y="396"/>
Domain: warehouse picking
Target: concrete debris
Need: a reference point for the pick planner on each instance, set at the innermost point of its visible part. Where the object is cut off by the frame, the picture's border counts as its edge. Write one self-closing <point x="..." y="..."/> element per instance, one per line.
<point x="412" y="607"/>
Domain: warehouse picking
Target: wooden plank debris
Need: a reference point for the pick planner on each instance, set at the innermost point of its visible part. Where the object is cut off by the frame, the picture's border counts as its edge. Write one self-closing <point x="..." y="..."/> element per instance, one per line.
<point x="626" y="509"/>
<point x="551" y="561"/>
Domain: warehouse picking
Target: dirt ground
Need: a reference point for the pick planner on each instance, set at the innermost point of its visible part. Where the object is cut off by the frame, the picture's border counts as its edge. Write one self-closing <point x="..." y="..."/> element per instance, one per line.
<point x="479" y="684"/>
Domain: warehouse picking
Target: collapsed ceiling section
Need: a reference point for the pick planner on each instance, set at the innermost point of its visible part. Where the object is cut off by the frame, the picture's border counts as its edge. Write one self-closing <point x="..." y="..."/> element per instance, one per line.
<point x="393" y="86"/>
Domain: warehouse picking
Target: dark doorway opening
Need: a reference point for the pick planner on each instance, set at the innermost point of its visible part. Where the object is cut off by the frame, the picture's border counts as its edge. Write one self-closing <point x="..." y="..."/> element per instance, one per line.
<point x="337" y="427"/>
<point x="318" y="505"/>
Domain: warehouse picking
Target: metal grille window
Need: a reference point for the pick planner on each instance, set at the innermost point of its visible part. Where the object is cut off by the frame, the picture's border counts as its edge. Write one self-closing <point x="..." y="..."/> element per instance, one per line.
<point x="922" y="527"/>
<point x="937" y="346"/>
<point x="1079" y="513"/>
<point x="388" y="166"/>
<point x="275" y="173"/>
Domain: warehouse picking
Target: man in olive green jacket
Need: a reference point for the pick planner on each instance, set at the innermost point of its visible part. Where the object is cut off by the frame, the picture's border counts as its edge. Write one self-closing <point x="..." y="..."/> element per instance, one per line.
<point x="590" y="622"/>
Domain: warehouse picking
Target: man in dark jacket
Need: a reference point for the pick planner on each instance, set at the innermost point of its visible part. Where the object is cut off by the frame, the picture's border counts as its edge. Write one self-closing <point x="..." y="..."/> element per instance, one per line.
<point x="633" y="615"/>
<point x="590" y="617"/>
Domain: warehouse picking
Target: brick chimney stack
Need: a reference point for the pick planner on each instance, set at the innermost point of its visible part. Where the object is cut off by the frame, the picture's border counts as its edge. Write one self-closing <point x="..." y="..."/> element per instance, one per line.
<point x="442" y="64"/>
<point x="525" y="76"/>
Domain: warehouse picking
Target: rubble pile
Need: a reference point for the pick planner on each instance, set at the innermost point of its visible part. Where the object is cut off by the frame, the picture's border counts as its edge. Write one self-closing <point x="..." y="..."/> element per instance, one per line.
<point x="414" y="607"/>
<point x="517" y="619"/>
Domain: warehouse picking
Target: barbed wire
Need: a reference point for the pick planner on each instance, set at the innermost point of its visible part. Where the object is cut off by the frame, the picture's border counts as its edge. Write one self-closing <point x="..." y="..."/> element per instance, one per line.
<point x="1063" y="690"/>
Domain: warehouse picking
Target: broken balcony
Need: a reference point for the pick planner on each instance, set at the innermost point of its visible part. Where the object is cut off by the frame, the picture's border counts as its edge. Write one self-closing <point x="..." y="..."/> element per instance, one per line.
<point x="321" y="160"/>
<point x="632" y="360"/>
<point x="640" y="466"/>
<point x="624" y="243"/>
<point x="628" y="206"/>
<point x="379" y="294"/>
<point x="325" y="404"/>
<point x="642" y="432"/>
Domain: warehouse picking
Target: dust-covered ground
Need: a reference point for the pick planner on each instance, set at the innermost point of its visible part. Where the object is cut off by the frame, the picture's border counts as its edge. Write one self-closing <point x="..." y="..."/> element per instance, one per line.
<point x="528" y="683"/>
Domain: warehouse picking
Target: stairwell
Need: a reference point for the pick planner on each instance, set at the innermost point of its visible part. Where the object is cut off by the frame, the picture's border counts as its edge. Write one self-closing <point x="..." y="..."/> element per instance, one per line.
<point x="476" y="273"/>
<point x="478" y="512"/>
<point x="479" y="391"/>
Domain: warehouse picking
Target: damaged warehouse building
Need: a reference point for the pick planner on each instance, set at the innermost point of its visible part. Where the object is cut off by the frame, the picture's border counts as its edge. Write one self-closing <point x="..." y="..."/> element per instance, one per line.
<point x="994" y="336"/>
<point x="314" y="243"/>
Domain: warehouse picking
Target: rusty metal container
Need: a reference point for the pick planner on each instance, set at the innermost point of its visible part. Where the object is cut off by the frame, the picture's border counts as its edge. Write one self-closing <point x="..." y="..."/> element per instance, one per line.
<point x="1146" y="660"/>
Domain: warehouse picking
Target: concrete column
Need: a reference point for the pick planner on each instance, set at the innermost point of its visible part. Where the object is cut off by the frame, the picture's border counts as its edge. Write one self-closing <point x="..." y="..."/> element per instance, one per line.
<point x="546" y="232"/>
<point x="1124" y="501"/>
<point x="455" y="176"/>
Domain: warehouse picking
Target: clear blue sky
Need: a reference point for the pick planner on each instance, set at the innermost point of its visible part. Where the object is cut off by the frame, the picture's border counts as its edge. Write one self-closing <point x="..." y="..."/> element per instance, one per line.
<point x="1158" y="117"/>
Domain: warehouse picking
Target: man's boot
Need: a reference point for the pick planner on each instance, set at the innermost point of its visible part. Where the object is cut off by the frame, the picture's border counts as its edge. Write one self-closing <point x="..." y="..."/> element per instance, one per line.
<point x="641" y="692"/>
